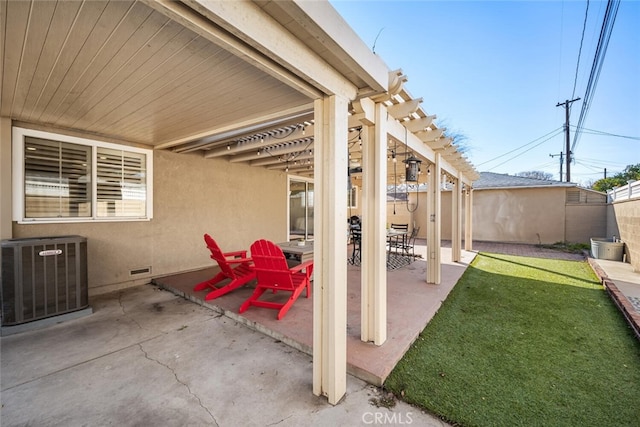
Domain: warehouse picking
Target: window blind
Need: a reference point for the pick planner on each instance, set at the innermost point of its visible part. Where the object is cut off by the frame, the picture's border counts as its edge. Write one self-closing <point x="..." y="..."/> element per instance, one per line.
<point x="57" y="179"/>
<point x="121" y="183"/>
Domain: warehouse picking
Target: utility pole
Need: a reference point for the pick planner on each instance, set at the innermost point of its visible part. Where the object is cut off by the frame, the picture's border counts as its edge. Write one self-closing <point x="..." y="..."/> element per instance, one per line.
<point x="566" y="104"/>
<point x="561" y="160"/>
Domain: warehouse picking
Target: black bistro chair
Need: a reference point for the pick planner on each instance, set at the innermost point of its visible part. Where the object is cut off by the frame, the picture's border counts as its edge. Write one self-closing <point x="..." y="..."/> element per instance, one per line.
<point x="409" y="248"/>
<point x="356" y="241"/>
<point x="397" y="243"/>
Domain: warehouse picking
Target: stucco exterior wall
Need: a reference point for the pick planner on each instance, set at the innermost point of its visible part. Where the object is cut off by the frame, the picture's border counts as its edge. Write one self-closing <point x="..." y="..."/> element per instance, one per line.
<point x="446" y="213"/>
<point x="192" y="196"/>
<point x="584" y="222"/>
<point x="522" y="215"/>
<point x="628" y="218"/>
<point x="533" y="215"/>
<point x="397" y="213"/>
<point x="420" y="214"/>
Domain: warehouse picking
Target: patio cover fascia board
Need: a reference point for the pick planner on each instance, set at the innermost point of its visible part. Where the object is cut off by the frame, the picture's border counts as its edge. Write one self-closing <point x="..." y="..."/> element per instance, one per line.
<point x="333" y="32"/>
<point x="207" y="25"/>
<point x="248" y="22"/>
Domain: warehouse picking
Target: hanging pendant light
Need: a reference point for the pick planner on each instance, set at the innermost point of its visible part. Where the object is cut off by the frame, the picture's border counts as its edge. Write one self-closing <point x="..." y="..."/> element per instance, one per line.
<point x="413" y="167"/>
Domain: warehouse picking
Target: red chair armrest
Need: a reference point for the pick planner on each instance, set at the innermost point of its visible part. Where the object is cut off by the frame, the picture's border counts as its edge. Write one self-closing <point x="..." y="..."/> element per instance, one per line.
<point x="308" y="266"/>
<point x="239" y="260"/>
<point x="241" y="254"/>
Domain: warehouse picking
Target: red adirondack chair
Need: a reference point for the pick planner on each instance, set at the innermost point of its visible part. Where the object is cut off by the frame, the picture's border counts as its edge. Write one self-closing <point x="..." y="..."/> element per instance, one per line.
<point x="240" y="274"/>
<point x="274" y="274"/>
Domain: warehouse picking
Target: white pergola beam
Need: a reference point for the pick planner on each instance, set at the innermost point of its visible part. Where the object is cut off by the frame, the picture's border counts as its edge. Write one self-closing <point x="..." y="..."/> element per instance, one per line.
<point x="404" y="109"/>
<point x="397" y="131"/>
<point x="221" y="133"/>
<point x="281" y="160"/>
<point x="254" y="144"/>
<point x="272" y="151"/>
<point x="397" y="79"/>
<point x="430" y="135"/>
<point x="421" y="124"/>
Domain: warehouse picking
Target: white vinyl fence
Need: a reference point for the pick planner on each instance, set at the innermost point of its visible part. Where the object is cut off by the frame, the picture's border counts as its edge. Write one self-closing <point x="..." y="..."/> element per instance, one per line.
<point x="627" y="192"/>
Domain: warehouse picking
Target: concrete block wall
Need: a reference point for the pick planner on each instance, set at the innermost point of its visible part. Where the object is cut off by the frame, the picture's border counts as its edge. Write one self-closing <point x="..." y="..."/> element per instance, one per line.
<point x="627" y="217"/>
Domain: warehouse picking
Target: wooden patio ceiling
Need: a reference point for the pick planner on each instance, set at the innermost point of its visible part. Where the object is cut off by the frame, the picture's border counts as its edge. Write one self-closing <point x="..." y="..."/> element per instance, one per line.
<point x="123" y="71"/>
<point x="131" y="72"/>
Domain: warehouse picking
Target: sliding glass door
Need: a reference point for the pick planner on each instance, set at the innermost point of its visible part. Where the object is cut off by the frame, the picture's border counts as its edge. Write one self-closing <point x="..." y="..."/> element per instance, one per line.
<point x="300" y="209"/>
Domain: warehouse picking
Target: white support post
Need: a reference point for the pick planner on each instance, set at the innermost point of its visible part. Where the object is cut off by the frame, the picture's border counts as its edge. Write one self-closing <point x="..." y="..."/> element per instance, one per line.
<point x="434" y="224"/>
<point x="456" y="220"/>
<point x="330" y="249"/>
<point x="374" y="211"/>
<point x="468" y="222"/>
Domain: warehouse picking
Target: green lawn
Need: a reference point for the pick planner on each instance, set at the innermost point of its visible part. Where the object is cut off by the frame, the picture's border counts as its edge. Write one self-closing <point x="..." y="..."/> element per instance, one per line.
<point x="525" y="341"/>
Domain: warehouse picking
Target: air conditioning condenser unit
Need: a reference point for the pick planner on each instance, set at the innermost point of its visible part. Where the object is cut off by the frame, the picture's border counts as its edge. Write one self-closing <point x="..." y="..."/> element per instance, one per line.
<point x="43" y="277"/>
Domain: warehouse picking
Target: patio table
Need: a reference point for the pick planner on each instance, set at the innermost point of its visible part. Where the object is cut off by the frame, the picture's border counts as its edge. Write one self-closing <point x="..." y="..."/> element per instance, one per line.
<point x="394" y="235"/>
<point x="296" y="252"/>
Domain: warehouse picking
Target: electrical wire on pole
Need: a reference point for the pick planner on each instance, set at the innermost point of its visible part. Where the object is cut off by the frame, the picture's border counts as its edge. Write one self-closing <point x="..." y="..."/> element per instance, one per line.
<point x="561" y="154"/>
<point x="566" y="105"/>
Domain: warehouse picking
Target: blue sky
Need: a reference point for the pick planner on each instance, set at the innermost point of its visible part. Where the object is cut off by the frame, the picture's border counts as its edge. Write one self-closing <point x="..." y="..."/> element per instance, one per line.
<point x="494" y="71"/>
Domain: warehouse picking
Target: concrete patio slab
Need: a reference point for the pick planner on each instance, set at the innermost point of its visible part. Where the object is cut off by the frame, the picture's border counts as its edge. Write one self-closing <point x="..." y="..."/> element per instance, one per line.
<point x="149" y="357"/>
<point x="411" y="303"/>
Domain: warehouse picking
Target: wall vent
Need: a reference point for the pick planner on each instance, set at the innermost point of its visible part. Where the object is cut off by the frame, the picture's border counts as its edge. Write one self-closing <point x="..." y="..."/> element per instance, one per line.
<point x="139" y="271"/>
<point x="573" y="196"/>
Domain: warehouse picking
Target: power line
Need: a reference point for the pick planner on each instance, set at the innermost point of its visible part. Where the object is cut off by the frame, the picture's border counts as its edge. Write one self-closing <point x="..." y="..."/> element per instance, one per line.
<point x="544" y="165"/>
<point x="598" y="167"/>
<point x="522" y="146"/>
<point x="604" y="162"/>
<point x="584" y="27"/>
<point x="601" y="50"/>
<point x="588" y="166"/>
<point x="558" y="132"/>
<point x="599" y="132"/>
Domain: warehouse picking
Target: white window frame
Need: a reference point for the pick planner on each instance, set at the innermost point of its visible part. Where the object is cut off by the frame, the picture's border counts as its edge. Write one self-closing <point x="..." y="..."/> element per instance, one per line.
<point x="18" y="158"/>
<point x="298" y="179"/>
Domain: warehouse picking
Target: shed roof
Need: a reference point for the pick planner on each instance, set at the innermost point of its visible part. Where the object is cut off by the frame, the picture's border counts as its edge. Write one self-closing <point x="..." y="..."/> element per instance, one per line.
<point x="490" y="180"/>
